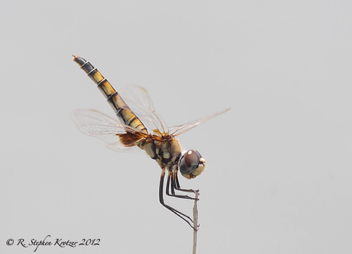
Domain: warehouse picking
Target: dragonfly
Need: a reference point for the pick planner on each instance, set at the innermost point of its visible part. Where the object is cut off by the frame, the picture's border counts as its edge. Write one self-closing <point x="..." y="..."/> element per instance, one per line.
<point x="139" y="126"/>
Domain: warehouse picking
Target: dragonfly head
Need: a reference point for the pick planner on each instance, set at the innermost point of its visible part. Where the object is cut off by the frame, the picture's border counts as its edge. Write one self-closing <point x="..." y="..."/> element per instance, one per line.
<point x="191" y="164"/>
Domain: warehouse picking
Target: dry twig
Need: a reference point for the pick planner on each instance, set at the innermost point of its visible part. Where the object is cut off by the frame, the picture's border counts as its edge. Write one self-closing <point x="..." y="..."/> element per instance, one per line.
<point x="195" y="222"/>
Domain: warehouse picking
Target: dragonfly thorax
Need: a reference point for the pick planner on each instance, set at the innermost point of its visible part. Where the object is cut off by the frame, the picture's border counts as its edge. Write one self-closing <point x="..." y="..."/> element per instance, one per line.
<point x="166" y="150"/>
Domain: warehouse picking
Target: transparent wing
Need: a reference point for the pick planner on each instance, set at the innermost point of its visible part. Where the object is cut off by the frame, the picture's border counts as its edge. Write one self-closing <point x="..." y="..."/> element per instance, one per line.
<point x="179" y="129"/>
<point x="94" y="123"/>
<point x="138" y="99"/>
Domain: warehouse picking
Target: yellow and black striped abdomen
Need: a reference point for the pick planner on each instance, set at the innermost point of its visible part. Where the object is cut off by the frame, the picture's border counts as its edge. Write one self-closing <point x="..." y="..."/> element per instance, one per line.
<point x="121" y="109"/>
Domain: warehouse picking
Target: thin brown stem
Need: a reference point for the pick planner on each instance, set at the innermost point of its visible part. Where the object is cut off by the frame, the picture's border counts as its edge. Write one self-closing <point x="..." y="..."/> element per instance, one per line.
<point x="195" y="222"/>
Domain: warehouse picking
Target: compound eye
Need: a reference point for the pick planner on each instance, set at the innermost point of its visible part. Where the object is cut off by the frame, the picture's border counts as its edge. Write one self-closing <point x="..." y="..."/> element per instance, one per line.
<point x="191" y="158"/>
<point x="191" y="164"/>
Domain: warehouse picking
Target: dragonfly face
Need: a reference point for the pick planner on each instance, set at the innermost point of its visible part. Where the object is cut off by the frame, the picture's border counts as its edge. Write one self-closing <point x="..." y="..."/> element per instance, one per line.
<point x="191" y="164"/>
<point x="140" y="127"/>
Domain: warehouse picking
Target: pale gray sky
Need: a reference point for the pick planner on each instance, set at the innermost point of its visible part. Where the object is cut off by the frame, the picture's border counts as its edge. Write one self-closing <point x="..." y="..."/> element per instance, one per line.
<point x="279" y="172"/>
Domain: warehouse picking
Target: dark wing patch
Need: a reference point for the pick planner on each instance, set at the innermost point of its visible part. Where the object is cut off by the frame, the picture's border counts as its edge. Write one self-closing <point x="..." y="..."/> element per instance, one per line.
<point x="131" y="139"/>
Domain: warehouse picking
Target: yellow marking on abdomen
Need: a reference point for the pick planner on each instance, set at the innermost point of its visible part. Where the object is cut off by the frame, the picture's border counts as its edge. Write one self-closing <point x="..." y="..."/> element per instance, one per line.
<point x="123" y="112"/>
<point x="97" y="77"/>
<point x="106" y="88"/>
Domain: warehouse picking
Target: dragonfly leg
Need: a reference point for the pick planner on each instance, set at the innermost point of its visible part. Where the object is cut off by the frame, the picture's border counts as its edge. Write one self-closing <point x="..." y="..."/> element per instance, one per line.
<point x="183" y="216"/>
<point x="178" y="187"/>
<point x="168" y="185"/>
<point x="175" y="185"/>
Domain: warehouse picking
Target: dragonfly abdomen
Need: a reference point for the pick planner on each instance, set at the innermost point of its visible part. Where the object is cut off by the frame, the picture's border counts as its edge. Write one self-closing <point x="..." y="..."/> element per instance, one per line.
<point x="124" y="113"/>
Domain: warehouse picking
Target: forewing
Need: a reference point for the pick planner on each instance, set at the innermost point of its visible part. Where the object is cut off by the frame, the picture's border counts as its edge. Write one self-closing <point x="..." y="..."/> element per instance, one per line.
<point x="179" y="129"/>
<point x="96" y="124"/>
<point x="138" y="99"/>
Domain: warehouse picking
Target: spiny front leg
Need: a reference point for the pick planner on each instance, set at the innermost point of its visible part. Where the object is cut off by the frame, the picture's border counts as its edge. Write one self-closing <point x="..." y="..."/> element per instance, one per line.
<point x="183" y="216"/>
<point x="172" y="178"/>
<point x="177" y="184"/>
